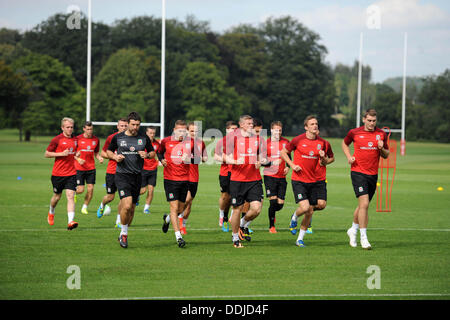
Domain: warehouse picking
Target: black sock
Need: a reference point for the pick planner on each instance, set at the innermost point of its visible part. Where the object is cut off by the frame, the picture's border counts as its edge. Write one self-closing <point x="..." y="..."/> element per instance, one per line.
<point x="272" y="210"/>
<point x="279" y="206"/>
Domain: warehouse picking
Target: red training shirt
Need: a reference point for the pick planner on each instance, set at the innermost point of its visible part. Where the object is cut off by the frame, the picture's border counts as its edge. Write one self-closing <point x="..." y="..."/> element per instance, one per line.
<point x="365" y="143"/>
<point x="63" y="166"/>
<point x="247" y="148"/>
<point x="87" y="147"/>
<point x="221" y="147"/>
<point x="322" y="170"/>
<point x="198" y="149"/>
<point x="273" y="153"/>
<point x="112" y="164"/>
<point x="173" y="151"/>
<point x="306" y="155"/>
<point x="152" y="164"/>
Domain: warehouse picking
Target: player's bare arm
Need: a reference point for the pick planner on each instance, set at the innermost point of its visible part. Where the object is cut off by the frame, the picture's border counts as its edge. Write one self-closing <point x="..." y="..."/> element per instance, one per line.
<point x="99" y="157"/>
<point x="49" y="154"/>
<point x="161" y="159"/>
<point x="383" y="152"/>
<point x="347" y="153"/>
<point x="219" y="158"/>
<point x="285" y="156"/>
<point x="79" y="160"/>
<point x="145" y="155"/>
<point x="229" y="160"/>
<point x="324" y="159"/>
<point x="115" y="157"/>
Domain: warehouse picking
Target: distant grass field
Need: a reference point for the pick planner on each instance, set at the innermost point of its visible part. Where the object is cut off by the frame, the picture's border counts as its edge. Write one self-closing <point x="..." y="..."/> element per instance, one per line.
<point x="411" y="245"/>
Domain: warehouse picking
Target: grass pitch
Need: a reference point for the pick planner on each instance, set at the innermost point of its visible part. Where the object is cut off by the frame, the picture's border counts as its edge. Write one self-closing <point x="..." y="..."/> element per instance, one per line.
<point x="411" y="245"/>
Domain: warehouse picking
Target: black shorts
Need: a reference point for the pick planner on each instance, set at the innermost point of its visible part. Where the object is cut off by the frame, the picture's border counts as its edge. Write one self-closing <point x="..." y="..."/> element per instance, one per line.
<point x="275" y="187"/>
<point x="87" y="177"/>
<point x="192" y="188"/>
<point x="149" y="178"/>
<point x="309" y="191"/>
<point x="110" y="183"/>
<point x="176" y="190"/>
<point x="61" y="183"/>
<point x="128" y="185"/>
<point x="364" y="184"/>
<point x="241" y="192"/>
<point x="225" y="183"/>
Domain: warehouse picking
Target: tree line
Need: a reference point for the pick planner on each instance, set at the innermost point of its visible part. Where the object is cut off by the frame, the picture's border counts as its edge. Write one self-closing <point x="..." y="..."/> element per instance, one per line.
<point x="273" y="71"/>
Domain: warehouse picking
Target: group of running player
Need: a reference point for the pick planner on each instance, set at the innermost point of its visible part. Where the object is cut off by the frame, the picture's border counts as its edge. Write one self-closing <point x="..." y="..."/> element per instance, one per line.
<point x="134" y="158"/>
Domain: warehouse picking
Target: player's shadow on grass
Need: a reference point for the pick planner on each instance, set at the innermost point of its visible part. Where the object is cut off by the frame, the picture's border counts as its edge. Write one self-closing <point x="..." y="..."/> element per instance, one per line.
<point x="320" y="238"/>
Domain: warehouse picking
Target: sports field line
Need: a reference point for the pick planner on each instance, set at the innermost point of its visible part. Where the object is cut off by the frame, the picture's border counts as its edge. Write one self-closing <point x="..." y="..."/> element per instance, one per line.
<point x="304" y="295"/>
<point x="135" y="229"/>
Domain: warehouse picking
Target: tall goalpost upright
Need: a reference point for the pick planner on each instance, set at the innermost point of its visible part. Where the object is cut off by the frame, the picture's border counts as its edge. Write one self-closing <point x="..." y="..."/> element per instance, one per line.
<point x="163" y="63"/>
<point x="384" y="186"/>
<point x="358" y="106"/>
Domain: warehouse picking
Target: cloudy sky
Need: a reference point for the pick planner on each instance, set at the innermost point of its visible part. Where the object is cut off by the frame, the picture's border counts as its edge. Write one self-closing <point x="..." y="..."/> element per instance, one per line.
<point x="338" y="22"/>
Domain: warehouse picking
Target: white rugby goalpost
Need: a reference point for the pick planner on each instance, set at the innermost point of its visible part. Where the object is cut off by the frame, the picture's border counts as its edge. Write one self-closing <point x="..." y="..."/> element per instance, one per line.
<point x="358" y="106"/>
<point x="163" y="71"/>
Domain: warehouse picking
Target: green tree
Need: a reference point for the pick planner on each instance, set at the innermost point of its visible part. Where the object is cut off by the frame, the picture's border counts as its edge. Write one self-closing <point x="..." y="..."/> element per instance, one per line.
<point x="15" y="90"/>
<point x="434" y="115"/>
<point x="206" y="96"/>
<point x="346" y="83"/>
<point x="129" y="81"/>
<point x="247" y="62"/>
<point x="189" y="38"/>
<point x="9" y="53"/>
<point x="56" y="94"/>
<point x="69" y="45"/>
<point x="300" y="82"/>
<point x="388" y="104"/>
<point x="10" y="36"/>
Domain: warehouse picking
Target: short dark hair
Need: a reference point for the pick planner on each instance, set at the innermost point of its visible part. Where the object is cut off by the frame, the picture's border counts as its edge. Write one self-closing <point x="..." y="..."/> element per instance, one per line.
<point x="191" y="123"/>
<point x="87" y="124"/>
<point x="257" y="122"/>
<point x="230" y="123"/>
<point x="370" y="112"/>
<point x="305" y="122"/>
<point x="133" y="116"/>
<point x="180" y="123"/>
<point x="245" y="117"/>
<point x="122" y="120"/>
<point x="276" y="123"/>
<point x="151" y="127"/>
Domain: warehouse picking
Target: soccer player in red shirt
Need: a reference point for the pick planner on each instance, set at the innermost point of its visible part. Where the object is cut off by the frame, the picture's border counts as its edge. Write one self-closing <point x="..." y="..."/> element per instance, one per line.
<point x="63" y="149"/>
<point x="224" y="176"/>
<point x="244" y="154"/>
<point x="175" y="155"/>
<point x="321" y="204"/>
<point x="150" y="171"/>
<point x="257" y="130"/>
<point x="198" y="154"/>
<point x="369" y="143"/>
<point x="111" y="188"/>
<point x="308" y="183"/>
<point x="275" y="175"/>
<point x="88" y="146"/>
